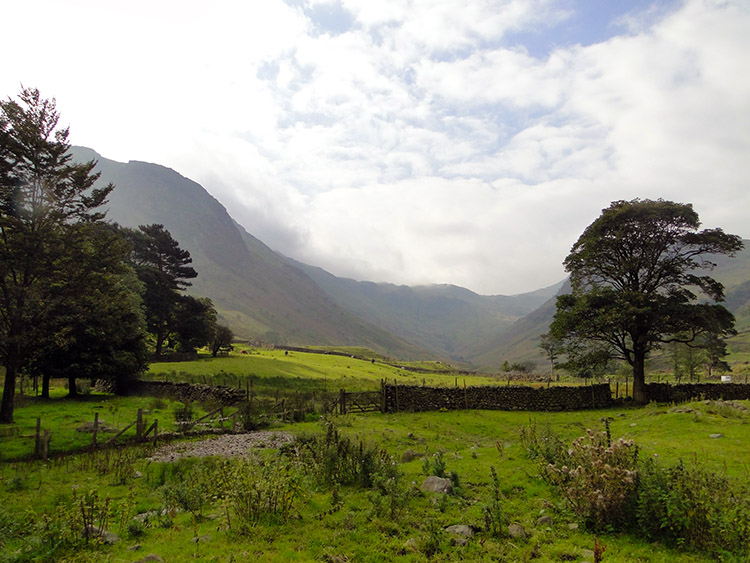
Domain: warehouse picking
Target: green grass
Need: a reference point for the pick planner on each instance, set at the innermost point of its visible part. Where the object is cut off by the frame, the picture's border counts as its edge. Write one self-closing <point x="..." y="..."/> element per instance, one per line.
<point x="471" y="442"/>
<point x="63" y="416"/>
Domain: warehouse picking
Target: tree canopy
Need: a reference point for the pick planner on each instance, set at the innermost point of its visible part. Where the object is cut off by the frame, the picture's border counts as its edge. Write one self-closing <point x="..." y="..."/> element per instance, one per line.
<point x="44" y="197"/>
<point x="639" y="281"/>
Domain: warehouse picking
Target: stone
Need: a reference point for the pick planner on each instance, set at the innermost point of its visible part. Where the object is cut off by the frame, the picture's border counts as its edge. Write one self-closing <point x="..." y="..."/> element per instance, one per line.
<point x="545" y="520"/>
<point x="150" y="557"/>
<point x="410" y="455"/>
<point x="105" y="536"/>
<point x="435" y="484"/>
<point x="134" y="547"/>
<point x="587" y="554"/>
<point x="573" y="526"/>
<point x="460" y="530"/>
<point x="716" y="436"/>
<point x="516" y="531"/>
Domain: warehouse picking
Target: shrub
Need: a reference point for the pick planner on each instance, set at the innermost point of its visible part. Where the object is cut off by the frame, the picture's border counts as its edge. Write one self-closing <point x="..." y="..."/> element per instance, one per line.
<point x="693" y="507"/>
<point x="597" y="478"/>
<point x="495" y="519"/>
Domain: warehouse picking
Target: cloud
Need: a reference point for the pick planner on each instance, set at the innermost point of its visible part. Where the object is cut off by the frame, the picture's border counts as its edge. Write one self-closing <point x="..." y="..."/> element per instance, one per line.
<point x="410" y="141"/>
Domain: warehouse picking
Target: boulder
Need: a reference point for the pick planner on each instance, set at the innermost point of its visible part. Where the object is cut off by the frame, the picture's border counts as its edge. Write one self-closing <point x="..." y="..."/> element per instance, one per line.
<point x="435" y="484"/>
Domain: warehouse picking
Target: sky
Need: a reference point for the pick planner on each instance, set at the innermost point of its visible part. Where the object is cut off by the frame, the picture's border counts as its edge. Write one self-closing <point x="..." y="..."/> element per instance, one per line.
<point x="467" y="142"/>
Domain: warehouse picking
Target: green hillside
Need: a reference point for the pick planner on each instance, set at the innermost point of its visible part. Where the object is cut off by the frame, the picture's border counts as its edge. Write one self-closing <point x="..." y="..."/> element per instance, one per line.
<point x="450" y="321"/>
<point x="257" y="293"/>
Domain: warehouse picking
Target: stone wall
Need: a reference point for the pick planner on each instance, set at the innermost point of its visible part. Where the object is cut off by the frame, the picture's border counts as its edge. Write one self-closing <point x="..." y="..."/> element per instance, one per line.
<point x="187" y="392"/>
<point x="665" y="393"/>
<point x="511" y="398"/>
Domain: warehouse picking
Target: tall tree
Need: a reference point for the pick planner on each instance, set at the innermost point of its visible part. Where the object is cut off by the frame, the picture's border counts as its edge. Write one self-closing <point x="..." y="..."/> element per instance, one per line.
<point x="95" y="319"/>
<point x="635" y="274"/>
<point x="222" y="340"/>
<point x="164" y="268"/>
<point x="42" y="193"/>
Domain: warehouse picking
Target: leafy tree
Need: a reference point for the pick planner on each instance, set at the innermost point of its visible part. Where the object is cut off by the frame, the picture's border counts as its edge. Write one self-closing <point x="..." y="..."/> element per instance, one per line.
<point x="223" y="337"/>
<point x="635" y="274"/>
<point x="194" y="323"/>
<point x="42" y="195"/>
<point x="95" y="321"/>
<point x="164" y="268"/>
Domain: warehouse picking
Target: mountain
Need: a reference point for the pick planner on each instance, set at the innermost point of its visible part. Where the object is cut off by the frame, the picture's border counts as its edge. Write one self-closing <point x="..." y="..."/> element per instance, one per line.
<point x="520" y="341"/>
<point x="256" y="291"/>
<point x="449" y="321"/>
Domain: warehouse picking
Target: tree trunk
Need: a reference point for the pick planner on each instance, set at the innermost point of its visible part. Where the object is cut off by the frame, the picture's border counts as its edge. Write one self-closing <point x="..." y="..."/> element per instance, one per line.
<point x="72" y="389"/>
<point x="45" y="386"/>
<point x="9" y="391"/>
<point x="639" y="378"/>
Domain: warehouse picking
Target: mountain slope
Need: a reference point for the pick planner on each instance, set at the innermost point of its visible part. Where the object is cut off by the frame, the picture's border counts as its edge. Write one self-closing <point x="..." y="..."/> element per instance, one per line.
<point x="520" y="342"/>
<point x="257" y="293"/>
<point x="450" y="321"/>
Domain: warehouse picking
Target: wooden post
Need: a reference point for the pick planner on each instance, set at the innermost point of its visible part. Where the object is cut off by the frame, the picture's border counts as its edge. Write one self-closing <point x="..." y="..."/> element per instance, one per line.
<point x="382" y="396"/>
<point x="466" y="398"/>
<point x="342" y="401"/>
<point x="234" y="422"/>
<point x="156" y="430"/>
<point x="617" y="389"/>
<point x="395" y="387"/>
<point x="139" y="425"/>
<point x="204" y="379"/>
<point x="45" y="444"/>
<point x="37" y="441"/>
<point x="457" y="382"/>
<point x="96" y="428"/>
<point x="221" y="418"/>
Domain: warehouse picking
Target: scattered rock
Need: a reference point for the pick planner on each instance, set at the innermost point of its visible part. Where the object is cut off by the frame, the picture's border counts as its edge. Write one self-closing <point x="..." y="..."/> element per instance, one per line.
<point x="150" y="557"/>
<point x="101" y="427"/>
<point x="632" y="424"/>
<point x="410" y="545"/>
<point x="545" y="520"/>
<point x="410" y="455"/>
<point x="134" y="547"/>
<point x="460" y="530"/>
<point x="227" y="445"/>
<point x="201" y="539"/>
<point x="573" y="526"/>
<point x="104" y="535"/>
<point x="516" y="531"/>
<point x="435" y="484"/>
<point x="587" y="554"/>
<point x="716" y="435"/>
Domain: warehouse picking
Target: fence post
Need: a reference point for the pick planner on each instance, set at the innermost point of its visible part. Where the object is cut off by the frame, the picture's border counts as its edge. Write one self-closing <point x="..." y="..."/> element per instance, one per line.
<point x="45" y="444"/>
<point x="221" y="418"/>
<point x="96" y="428"/>
<point x="342" y="402"/>
<point x="139" y="425"/>
<point x="37" y="440"/>
<point x="156" y="430"/>
<point x="395" y="387"/>
<point x="382" y="396"/>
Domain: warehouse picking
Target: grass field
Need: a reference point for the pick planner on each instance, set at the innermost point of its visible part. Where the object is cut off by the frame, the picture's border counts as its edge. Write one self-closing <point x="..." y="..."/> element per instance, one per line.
<point x="196" y="513"/>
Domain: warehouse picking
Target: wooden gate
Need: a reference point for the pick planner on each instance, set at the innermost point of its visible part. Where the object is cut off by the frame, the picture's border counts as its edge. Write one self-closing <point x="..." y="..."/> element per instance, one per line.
<point x="362" y="401"/>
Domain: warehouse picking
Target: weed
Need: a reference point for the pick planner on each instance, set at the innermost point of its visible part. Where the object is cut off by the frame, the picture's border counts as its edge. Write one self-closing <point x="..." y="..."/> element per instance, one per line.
<point x="495" y="519"/>
<point x="434" y="465"/>
<point x="183" y="416"/>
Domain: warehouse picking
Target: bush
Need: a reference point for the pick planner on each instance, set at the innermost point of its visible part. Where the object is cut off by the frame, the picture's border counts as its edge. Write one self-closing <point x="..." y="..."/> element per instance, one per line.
<point x="597" y="478"/>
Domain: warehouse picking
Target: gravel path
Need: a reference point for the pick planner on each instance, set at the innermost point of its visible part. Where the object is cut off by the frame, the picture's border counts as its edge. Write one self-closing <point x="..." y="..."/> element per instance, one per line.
<point x="227" y="445"/>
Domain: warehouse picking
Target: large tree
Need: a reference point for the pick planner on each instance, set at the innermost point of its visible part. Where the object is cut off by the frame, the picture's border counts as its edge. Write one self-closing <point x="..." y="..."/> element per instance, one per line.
<point x="638" y="278"/>
<point x="164" y="268"/>
<point x="42" y="194"/>
<point x="95" y="322"/>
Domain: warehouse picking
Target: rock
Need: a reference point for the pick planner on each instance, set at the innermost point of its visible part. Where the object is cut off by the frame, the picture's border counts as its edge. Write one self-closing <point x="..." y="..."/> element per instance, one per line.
<point x="573" y="526"/>
<point x="716" y="435"/>
<point x="410" y="455"/>
<point x="516" y="531"/>
<point x="410" y="545"/>
<point x="460" y="530"/>
<point x="134" y="547"/>
<point x="435" y="484"/>
<point x="201" y="539"/>
<point x="587" y="554"/>
<point x="545" y="520"/>
<point x="150" y="557"/>
<point x="105" y="536"/>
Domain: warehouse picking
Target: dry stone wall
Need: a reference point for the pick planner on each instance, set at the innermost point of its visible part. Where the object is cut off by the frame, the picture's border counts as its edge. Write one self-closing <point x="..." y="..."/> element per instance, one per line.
<point x="512" y="398"/>
<point x="665" y="393"/>
<point x="187" y="391"/>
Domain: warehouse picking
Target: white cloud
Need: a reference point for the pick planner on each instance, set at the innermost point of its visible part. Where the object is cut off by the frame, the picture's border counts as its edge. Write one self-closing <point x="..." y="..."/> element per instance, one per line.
<point x="422" y="144"/>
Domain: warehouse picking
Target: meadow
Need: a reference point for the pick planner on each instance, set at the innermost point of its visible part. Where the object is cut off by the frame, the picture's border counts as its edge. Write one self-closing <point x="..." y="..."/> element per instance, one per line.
<point x="349" y="488"/>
